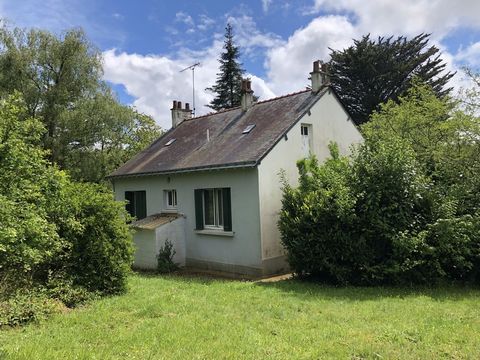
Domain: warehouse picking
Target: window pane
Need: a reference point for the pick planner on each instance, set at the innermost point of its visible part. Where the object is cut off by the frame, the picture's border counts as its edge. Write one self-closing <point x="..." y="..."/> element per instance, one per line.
<point x="220" y="207"/>
<point x="170" y="198"/>
<point x="174" y="192"/>
<point x="209" y="207"/>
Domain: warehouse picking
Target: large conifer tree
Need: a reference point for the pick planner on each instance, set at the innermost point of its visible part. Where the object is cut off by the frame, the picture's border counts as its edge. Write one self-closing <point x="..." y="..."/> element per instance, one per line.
<point x="228" y="85"/>
<point x="371" y="72"/>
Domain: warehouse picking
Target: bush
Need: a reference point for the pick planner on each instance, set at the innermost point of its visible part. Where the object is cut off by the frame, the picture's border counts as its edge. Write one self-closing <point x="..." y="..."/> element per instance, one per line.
<point x="318" y="220"/>
<point x="403" y="208"/>
<point x="62" y="288"/>
<point x="165" y="256"/>
<point x="23" y="308"/>
<point x="68" y="240"/>
<point x="99" y="249"/>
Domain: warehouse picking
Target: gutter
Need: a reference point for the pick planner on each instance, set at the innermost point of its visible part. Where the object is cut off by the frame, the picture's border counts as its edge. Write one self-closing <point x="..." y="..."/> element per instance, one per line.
<point x="242" y="165"/>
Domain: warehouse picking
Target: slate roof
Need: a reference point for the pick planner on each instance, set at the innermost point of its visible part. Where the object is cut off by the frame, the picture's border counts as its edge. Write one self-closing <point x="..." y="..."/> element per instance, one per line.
<point x="227" y="146"/>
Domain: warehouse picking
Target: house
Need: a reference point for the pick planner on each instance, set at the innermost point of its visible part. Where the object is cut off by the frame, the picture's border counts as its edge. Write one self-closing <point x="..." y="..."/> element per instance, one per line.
<point x="211" y="184"/>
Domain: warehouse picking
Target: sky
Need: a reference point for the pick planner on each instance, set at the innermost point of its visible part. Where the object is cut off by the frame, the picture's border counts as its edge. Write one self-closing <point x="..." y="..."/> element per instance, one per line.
<point x="146" y="43"/>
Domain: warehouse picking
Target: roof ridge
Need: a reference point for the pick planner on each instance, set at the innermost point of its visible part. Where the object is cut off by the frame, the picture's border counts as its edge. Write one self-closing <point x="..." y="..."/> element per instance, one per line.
<point x="213" y="113"/>
<point x="283" y="96"/>
<point x="237" y="107"/>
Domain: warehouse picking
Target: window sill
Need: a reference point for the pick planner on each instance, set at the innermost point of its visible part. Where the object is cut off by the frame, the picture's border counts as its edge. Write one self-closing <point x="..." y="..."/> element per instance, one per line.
<point x="170" y="211"/>
<point x="215" y="232"/>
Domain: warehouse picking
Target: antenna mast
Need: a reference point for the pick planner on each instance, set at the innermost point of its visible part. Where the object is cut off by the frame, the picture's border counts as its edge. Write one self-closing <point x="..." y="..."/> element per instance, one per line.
<point x="192" y="67"/>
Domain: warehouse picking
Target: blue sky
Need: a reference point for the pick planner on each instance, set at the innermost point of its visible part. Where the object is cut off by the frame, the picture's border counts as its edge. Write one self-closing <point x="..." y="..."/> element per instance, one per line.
<point x="146" y="43"/>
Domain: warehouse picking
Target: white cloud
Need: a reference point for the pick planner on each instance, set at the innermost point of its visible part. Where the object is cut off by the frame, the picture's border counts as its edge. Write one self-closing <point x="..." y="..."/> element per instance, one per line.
<point x="249" y="37"/>
<point x="155" y="81"/>
<point x="288" y="65"/>
<point x="205" y="22"/>
<point x="266" y="5"/>
<point x="184" y="18"/>
<point x="407" y="17"/>
<point x="469" y="56"/>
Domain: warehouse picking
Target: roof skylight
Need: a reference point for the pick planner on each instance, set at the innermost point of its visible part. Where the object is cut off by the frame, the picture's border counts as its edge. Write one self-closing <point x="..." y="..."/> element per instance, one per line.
<point x="170" y="142"/>
<point x="248" y="129"/>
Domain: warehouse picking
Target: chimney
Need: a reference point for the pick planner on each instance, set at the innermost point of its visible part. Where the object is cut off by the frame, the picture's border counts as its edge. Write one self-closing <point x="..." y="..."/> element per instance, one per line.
<point x="247" y="94"/>
<point x="179" y="114"/>
<point x="319" y="76"/>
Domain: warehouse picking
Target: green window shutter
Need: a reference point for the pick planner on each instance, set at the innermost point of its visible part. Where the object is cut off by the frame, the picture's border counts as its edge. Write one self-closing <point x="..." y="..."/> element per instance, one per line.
<point x="227" y="209"/>
<point x="130" y="205"/>
<point x="140" y="204"/>
<point x="199" y="209"/>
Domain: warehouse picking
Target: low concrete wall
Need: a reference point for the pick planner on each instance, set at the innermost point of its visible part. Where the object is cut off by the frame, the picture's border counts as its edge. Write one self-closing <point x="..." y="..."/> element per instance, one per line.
<point x="149" y="242"/>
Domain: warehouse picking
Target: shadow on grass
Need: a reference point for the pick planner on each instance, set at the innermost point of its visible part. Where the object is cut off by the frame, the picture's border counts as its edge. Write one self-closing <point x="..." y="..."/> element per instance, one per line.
<point x="310" y="290"/>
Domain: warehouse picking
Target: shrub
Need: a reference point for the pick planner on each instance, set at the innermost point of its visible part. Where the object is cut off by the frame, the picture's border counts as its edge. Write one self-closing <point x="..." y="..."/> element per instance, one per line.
<point x="26" y="307"/>
<point x="403" y="208"/>
<point x="165" y="256"/>
<point x="318" y="220"/>
<point x="61" y="287"/>
<point x="99" y="249"/>
<point x="67" y="240"/>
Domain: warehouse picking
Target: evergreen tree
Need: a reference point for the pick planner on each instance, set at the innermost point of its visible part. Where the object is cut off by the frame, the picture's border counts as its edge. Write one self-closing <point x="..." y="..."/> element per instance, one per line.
<point x="369" y="73"/>
<point x="228" y="84"/>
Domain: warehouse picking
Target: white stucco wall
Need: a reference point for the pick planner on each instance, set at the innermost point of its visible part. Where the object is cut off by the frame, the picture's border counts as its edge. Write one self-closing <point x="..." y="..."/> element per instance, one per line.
<point x="148" y="243"/>
<point x="243" y="249"/>
<point x="329" y="122"/>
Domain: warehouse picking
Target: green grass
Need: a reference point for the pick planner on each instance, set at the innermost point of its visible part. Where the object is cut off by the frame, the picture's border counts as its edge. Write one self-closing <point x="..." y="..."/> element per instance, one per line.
<point x="200" y="318"/>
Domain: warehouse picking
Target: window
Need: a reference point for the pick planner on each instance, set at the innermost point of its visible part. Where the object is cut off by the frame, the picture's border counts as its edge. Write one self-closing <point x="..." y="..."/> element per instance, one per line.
<point x="213" y="209"/>
<point x="248" y="129"/>
<point x="170" y="142"/>
<point x="306" y="131"/>
<point x="170" y="199"/>
<point x="136" y="204"/>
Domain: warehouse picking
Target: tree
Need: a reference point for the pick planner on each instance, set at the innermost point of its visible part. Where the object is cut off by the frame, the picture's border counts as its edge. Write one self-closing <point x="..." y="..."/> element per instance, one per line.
<point x="103" y="135"/>
<point x="403" y="208"/>
<point x="60" y="78"/>
<point x="370" y="73"/>
<point x="51" y="226"/>
<point x="228" y="84"/>
<point x="51" y="73"/>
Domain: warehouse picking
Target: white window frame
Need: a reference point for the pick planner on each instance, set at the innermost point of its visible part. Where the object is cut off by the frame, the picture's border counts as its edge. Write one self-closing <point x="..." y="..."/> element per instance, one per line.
<point x="309" y="136"/>
<point x="174" y="205"/>
<point x="218" y="223"/>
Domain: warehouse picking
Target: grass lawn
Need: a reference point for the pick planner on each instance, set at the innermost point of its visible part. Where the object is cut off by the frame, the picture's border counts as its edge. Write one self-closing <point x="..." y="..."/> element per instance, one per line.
<point x="203" y="318"/>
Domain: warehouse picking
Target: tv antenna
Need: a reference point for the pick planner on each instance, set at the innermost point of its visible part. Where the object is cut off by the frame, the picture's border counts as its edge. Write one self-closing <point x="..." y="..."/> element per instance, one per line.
<point x="192" y="67"/>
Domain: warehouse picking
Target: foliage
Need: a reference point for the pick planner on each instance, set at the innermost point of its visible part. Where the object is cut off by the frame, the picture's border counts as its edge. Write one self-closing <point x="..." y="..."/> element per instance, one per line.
<point x="60" y="286"/>
<point x="165" y="263"/>
<point x="26" y="307"/>
<point x="60" y="78"/>
<point x="404" y="208"/>
<point x="68" y="239"/>
<point x="370" y="72"/>
<point x="228" y="84"/>
<point x="318" y="220"/>
<point x="27" y="239"/>
<point x="208" y="318"/>
<point x="103" y="134"/>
